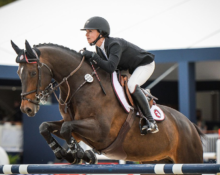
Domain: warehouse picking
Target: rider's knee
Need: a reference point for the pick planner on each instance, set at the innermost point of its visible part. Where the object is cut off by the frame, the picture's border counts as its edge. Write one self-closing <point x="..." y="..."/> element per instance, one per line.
<point x="131" y="86"/>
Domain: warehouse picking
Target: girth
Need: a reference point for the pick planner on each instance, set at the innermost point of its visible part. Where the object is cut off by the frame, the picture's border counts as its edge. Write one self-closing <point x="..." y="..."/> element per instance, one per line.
<point x="115" y="149"/>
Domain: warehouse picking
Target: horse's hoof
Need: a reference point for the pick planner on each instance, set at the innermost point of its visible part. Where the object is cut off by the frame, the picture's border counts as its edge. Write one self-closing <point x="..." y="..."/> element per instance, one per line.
<point x="59" y="158"/>
<point x="72" y="158"/>
<point x="91" y="155"/>
<point x="80" y="154"/>
<point x="77" y="161"/>
<point x="60" y="154"/>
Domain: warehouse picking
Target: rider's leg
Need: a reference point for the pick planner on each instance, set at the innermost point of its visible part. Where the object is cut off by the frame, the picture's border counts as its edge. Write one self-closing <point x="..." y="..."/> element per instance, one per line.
<point x="140" y="75"/>
<point x="142" y="102"/>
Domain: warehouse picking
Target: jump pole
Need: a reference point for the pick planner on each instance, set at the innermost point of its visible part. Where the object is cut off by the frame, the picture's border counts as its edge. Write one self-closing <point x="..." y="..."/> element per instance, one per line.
<point x="111" y="169"/>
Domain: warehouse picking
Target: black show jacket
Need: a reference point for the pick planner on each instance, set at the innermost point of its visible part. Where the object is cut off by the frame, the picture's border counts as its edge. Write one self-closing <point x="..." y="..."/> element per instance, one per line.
<point x="122" y="55"/>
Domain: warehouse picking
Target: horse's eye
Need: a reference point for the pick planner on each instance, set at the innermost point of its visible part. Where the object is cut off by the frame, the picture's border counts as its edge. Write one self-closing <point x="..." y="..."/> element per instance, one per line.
<point x="33" y="73"/>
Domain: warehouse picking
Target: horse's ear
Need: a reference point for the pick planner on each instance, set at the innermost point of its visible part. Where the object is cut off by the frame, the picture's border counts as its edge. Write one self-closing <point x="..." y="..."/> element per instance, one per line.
<point x="29" y="50"/>
<point x="15" y="47"/>
<point x="20" y="52"/>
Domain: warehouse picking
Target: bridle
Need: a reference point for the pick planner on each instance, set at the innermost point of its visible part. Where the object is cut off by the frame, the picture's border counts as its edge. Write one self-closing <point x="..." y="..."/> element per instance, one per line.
<point x="38" y="94"/>
<point x="43" y="95"/>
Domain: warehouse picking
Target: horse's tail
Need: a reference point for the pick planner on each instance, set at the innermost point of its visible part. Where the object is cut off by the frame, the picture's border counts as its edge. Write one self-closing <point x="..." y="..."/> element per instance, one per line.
<point x="201" y="134"/>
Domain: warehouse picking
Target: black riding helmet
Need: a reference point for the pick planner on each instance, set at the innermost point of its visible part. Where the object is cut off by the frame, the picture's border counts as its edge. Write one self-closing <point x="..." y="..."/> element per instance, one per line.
<point x="100" y="24"/>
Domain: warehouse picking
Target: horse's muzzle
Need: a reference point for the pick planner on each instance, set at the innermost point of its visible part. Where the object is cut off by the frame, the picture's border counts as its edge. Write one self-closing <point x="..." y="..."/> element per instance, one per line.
<point x="29" y="112"/>
<point x="29" y="109"/>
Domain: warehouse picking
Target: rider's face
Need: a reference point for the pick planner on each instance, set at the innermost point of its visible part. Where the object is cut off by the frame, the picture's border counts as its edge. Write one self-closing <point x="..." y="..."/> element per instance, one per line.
<point x="91" y="35"/>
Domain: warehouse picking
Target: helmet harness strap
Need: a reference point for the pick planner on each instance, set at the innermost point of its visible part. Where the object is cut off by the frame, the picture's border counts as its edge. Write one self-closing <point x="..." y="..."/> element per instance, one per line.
<point x="96" y="40"/>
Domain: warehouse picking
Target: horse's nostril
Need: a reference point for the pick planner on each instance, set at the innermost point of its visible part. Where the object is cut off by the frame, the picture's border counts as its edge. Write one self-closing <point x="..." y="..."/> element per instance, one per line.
<point x="28" y="110"/>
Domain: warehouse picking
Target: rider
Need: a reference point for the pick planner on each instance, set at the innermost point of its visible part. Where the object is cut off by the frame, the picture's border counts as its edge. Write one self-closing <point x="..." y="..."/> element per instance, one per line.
<point x="117" y="53"/>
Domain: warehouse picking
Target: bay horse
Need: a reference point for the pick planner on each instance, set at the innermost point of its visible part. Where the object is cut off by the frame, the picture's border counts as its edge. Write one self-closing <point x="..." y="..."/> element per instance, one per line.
<point x="96" y="118"/>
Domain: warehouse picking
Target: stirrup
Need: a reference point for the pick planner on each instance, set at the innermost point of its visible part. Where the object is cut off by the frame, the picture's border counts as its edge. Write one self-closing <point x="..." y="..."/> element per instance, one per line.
<point x="153" y="128"/>
<point x="145" y="127"/>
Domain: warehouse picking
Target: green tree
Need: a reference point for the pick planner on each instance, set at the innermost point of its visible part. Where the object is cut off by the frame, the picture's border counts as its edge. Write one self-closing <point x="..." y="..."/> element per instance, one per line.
<point x="4" y="2"/>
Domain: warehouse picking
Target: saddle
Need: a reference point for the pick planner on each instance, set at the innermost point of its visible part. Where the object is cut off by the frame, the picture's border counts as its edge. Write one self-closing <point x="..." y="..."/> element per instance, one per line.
<point x="123" y="79"/>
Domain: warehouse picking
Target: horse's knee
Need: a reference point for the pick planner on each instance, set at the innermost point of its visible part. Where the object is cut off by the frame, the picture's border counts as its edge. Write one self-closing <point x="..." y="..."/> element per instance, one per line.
<point x="44" y="127"/>
<point x="65" y="129"/>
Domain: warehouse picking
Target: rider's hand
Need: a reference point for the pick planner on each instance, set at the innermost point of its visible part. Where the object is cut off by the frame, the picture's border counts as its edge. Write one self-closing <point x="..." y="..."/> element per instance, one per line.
<point x="87" y="54"/>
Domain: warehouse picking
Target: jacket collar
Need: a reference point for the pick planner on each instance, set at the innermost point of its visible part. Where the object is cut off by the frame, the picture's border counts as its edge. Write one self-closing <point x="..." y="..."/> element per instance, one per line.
<point x="103" y="45"/>
<point x="100" y="53"/>
<point x="106" y="43"/>
<point x="106" y="46"/>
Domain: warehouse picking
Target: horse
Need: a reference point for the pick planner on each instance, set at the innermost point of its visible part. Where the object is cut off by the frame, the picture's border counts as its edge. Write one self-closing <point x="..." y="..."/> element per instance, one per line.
<point x="96" y="118"/>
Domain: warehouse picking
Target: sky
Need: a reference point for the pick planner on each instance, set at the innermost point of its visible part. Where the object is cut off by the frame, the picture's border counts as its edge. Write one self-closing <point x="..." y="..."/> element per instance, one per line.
<point x="150" y="24"/>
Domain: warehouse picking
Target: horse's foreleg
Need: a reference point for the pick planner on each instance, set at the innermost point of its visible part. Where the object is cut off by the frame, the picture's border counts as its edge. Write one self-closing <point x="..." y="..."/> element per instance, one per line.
<point x="46" y="128"/>
<point x="85" y="128"/>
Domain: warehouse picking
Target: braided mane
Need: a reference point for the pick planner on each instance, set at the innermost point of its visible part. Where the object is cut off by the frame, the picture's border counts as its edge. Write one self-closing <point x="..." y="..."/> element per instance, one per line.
<point x="59" y="46"/>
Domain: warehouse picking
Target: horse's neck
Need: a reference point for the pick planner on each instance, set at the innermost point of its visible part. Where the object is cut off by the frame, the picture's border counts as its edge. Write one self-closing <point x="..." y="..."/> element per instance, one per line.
<point x="61" y="66"/>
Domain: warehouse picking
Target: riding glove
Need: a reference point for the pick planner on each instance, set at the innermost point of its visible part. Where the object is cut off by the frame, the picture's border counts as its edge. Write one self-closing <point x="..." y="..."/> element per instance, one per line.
<point x="108" y="65"/>
<point x="87" y="54"/>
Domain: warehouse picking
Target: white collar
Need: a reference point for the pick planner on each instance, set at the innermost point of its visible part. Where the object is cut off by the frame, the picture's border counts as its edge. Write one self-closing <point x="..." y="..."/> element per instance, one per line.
<point x="103" y="45"/>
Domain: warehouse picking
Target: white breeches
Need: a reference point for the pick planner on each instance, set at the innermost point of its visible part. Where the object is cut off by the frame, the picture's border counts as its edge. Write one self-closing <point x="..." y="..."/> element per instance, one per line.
<point x="140" y="75"/>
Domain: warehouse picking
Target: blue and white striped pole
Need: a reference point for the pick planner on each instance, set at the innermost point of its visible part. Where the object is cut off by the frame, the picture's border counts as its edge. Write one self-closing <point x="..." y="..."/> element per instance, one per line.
<point x="111" y="169"/>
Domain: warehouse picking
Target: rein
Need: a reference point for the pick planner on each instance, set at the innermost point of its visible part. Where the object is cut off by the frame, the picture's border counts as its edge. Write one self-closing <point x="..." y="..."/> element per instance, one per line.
<point x="88" y="78"/>
<point x="65" y="80"/>
<point x="45" y="93"/>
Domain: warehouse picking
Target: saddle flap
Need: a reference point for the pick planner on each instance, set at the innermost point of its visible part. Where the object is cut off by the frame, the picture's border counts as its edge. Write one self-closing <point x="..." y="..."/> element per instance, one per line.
<point x="120" y="87"/>
<point x="124" y="84"/>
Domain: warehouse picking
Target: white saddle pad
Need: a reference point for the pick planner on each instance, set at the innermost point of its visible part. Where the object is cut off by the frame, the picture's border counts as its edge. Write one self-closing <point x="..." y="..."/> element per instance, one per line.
<point x="120" y="92"/>
<point x="156" y="112"/>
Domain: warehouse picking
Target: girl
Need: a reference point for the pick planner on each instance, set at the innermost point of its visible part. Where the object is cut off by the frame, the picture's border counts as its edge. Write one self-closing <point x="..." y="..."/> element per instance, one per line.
<point x="117" y="53"/>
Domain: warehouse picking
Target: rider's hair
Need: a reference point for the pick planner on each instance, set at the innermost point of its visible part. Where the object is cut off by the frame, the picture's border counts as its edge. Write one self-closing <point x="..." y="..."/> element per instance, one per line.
<point x="103" y="33"/>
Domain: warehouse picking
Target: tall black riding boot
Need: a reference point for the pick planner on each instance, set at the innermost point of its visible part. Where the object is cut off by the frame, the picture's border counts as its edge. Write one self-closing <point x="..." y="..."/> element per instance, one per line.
<point x="142" y="102"/>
